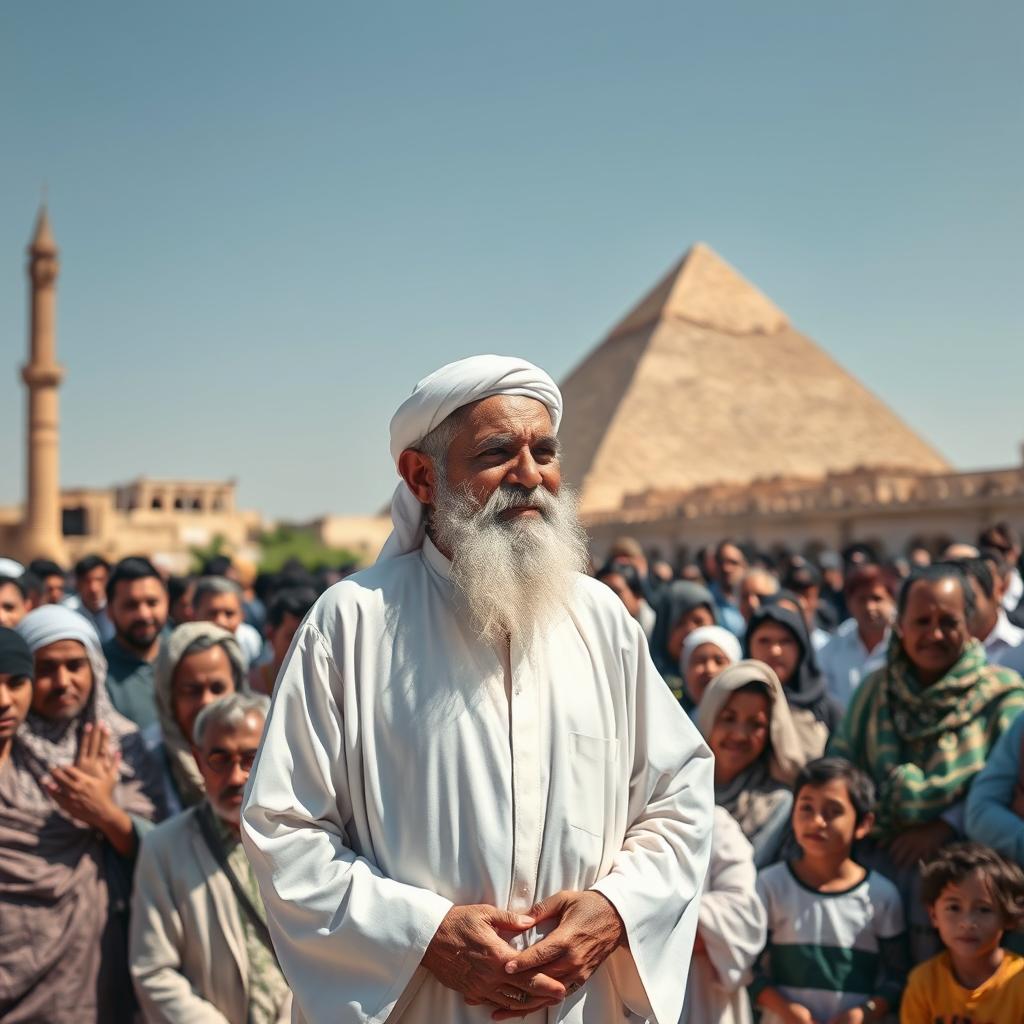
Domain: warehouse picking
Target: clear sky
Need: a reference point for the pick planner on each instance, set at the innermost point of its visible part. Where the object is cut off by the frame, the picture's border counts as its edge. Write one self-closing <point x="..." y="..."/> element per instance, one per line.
<point x="275" y="218"/>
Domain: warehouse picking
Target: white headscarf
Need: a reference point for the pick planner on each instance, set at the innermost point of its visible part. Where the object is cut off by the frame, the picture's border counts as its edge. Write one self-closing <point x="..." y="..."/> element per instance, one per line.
<point x="725" y="641"/>
<point x="432" y="401"/>
<point x="12" y="569"/>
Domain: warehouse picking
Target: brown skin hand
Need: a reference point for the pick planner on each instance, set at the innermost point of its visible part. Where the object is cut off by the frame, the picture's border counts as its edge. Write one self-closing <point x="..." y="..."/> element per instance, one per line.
<point x="589" y="930"/>
<point x="468" y="954"/>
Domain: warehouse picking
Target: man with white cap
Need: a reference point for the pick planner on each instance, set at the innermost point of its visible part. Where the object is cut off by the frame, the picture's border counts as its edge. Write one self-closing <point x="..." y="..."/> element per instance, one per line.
<point x="475" y="796"/>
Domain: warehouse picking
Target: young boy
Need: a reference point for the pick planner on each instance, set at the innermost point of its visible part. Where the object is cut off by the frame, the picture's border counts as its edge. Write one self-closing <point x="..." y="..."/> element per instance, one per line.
<point x="836" y="934"/>
<point x="972" y="896"/>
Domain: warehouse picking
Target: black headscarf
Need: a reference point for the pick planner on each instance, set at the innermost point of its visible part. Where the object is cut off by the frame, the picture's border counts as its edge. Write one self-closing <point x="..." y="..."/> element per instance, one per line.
<point x="675" y="600"/>
<point x="15" y="657"/>
<point x="806" y="688"/>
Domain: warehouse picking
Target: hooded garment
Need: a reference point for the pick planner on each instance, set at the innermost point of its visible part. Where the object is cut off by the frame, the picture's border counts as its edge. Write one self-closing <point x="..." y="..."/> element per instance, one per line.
<point x="188" y="781"/>
<point x="719" y="636"/>
<point x="63" y="889"/>
<point x="432" y="401"/>
<point x="815" y="713"/>
<point x="755" y="795"/>
<point x="675" y="600"/>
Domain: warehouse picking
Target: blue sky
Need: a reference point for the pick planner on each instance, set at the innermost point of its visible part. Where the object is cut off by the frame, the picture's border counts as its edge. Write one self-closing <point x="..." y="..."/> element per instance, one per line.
<point x="275" y="218"/>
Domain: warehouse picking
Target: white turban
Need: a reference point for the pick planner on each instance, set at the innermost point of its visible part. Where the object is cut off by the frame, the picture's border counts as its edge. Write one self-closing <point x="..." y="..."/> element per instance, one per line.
<point x="432" y="401"/>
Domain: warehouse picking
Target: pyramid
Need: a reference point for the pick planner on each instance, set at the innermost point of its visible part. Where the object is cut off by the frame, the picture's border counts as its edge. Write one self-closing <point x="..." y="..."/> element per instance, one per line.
<point x="705" y="382"/>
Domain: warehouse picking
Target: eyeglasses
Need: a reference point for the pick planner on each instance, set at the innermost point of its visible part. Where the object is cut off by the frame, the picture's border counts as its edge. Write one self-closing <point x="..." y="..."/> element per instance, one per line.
<point x="221" y="762"/>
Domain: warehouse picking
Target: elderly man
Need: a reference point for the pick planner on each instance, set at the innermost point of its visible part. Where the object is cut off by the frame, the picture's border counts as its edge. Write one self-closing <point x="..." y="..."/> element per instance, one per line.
<point x="199" y="946"/>
<point x="475" y="795"/>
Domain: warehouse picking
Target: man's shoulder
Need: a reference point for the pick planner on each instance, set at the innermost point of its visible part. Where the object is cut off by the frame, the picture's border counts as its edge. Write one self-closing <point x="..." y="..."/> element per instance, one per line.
<point x="165" y="839"/>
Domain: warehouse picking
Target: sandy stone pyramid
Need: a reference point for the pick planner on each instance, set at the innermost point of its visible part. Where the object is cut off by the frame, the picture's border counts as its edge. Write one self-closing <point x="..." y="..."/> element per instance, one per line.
<point x="705" y="381"/>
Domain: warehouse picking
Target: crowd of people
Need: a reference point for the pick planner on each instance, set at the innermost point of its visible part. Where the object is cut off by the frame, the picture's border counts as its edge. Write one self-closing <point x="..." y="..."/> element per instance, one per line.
<point x="131" y="707"/>
<point x="864" y="715"/>
<point x="869" y="781"/>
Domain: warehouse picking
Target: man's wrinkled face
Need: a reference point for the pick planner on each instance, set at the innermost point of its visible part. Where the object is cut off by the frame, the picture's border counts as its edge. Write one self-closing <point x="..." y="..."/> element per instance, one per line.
<point x="933" y="627"/>
<point x="506" y="440"/>
<point x="138" y="610"/>
<point x="225" y="760"/>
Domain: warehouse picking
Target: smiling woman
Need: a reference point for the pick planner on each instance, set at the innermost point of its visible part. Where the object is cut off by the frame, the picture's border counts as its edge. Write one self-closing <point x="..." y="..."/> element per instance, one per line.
<point x="746" y="721"/>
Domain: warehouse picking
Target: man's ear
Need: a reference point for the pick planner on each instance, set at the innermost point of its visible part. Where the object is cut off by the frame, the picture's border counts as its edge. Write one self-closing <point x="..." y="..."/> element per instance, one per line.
<point x="417" y="470"/>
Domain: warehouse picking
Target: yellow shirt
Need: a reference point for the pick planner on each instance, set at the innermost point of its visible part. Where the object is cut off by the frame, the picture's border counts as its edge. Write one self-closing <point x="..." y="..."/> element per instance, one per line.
<point x="934" y="996"/>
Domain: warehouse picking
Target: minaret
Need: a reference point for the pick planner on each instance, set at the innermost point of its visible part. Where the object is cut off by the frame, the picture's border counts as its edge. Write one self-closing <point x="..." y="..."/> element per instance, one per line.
<point x="42" y="535"/>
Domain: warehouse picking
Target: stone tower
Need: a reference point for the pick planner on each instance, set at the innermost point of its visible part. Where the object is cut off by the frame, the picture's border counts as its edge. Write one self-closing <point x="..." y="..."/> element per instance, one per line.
<point x="42" y="535"/>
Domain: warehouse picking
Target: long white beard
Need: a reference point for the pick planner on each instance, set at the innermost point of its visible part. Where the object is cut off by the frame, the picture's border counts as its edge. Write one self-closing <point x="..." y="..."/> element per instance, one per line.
<point x="515" y="574"/>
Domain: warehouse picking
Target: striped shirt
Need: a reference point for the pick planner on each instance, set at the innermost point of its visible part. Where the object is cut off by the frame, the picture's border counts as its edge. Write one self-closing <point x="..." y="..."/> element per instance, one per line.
<point x="829" y="952"/>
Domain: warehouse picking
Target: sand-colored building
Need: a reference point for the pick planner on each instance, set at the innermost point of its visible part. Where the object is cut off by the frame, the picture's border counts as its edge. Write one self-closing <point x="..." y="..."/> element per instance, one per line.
<point x="678" y="430"/>
<point x="165" y="519"/>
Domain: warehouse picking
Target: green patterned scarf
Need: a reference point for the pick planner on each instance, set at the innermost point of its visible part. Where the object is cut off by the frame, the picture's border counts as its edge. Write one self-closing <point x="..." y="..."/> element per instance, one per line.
<point x="924" y="745"/>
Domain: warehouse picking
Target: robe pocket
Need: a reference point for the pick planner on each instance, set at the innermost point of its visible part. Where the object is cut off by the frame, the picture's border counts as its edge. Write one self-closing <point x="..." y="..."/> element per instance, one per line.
<point x="591" y="763"/>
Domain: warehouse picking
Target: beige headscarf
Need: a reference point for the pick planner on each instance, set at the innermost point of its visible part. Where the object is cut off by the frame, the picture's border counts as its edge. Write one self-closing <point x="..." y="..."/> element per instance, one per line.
<point x="752" y="795"/>
<point x="177" y="745"/>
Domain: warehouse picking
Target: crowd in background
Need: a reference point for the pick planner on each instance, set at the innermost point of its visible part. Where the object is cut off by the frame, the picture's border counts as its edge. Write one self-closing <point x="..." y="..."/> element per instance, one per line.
<point x="869" y="775"/>
<point x="863" y="714"/>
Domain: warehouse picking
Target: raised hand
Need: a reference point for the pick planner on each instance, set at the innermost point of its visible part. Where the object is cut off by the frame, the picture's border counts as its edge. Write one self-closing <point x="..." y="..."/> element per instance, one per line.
<point x="469" y="954"/>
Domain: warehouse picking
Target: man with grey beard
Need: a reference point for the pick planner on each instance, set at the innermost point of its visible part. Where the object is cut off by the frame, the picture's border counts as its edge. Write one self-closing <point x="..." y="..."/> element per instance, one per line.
<point x="475" y="798"/>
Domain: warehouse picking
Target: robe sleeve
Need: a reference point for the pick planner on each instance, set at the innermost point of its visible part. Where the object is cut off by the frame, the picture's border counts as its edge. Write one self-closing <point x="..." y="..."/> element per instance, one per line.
<point x="657" y="875"/>
<point x="732" y="921"/>
<point x="349" y="939"/>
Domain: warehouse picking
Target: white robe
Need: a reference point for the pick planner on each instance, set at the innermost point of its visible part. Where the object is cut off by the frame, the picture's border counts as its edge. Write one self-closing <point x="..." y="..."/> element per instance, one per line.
<point x="734" y="927"/>
<point x="407" y="767"/>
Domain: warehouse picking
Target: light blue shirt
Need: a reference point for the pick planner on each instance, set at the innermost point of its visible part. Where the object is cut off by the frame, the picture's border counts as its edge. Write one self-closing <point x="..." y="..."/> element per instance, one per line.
<point x="989" y="817"/>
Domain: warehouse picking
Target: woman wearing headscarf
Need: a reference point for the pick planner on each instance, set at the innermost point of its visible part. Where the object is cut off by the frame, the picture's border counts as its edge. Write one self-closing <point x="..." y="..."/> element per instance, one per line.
<point x="198" y="663"/>
<point x="683" y="606"/>
<point x="75" y="794"/>
<point x="746" y="720"/>
<point x="707" y="651"/>
<point x="924" y="726"/>
<point x="777" y="635"/>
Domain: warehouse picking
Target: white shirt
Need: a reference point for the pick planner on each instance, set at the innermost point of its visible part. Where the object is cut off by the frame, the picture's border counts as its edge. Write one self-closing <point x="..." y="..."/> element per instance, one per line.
<point x="846" y="661"/>
<point x="1003" y="644"/>
<point x="407" y="767"/>
<point x="1014" y="590"/>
